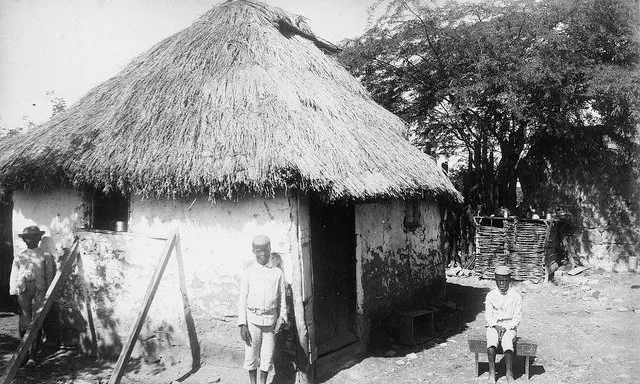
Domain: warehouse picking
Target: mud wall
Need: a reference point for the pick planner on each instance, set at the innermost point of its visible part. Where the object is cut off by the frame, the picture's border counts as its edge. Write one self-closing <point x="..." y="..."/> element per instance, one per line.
<point x="56" y="212"/>
<point x="216" y="247"/>
<point x="397" y="268"/>
<point x="116" y="268"/>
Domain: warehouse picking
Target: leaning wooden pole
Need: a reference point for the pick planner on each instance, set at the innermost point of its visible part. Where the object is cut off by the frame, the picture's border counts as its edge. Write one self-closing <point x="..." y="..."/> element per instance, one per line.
<point x="118" y="370"/>
<point x="36" y="323"/>
<point x="188" y="317"/>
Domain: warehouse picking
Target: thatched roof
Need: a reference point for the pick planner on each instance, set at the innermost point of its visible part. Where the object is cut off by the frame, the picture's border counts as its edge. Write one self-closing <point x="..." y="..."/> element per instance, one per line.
<point x="243" y="100"/>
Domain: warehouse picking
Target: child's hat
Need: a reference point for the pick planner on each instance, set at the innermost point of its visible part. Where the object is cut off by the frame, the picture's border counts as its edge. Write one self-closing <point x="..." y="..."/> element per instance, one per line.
<point x="31" y="231"/>
<point x="502" y="270"/>
<point x="260" y="240"/>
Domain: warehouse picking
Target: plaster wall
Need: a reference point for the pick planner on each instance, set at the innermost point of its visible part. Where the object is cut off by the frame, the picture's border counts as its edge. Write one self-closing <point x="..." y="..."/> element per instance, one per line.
<point x="56" y="212"/>
<point x="397" y="268"/>
<point x="216" y="247"/>
<point x="116" y="269"/>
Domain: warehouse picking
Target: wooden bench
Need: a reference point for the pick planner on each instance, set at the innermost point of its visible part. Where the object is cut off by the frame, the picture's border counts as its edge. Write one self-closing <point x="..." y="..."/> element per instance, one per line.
<point x="523" y="347"/>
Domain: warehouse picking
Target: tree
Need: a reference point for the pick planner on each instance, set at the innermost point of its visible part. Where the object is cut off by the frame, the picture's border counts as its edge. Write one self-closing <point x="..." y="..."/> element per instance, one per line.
<point x="496" y="80"/>
<point x="26" y="125"/>
<point x="58" y="104"/>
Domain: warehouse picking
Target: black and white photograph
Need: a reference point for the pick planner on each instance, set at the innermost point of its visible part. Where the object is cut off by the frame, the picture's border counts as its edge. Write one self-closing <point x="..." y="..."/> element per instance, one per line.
<point x="319" y="191"/>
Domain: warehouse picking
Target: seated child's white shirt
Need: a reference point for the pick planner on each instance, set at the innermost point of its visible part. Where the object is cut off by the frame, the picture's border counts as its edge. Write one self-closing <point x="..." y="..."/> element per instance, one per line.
<point x="503" y="310"/>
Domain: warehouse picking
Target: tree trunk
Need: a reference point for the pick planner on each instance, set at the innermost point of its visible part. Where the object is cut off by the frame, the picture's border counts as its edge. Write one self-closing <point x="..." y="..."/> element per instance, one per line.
<point x="507" y="177"/>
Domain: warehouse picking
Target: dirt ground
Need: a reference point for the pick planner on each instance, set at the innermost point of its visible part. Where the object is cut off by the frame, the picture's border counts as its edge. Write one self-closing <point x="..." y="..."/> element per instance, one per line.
<point x="587" y="328"/>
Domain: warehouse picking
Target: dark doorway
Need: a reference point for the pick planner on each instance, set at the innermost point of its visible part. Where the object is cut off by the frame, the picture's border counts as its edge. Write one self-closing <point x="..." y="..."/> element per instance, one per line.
<point x="333" y="250"/>
<point x="6" y="249"/>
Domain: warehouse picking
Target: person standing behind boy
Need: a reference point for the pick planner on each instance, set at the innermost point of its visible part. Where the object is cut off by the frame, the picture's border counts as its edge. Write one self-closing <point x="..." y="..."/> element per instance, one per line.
<point x="503" y="312"/>
<point x="32" y="272"/>
<point x="262" y="310"/>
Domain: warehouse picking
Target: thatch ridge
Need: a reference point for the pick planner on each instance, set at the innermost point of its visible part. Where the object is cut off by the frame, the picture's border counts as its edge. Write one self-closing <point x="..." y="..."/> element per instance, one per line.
<point x="234" y="103"/>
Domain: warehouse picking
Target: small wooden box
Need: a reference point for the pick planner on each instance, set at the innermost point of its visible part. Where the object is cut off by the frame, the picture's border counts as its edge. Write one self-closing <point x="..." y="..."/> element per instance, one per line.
<point x="414" y="327"/>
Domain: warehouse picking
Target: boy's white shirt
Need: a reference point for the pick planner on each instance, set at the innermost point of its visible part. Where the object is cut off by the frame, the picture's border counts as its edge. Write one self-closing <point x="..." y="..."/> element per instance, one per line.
<point x="503" y="310"/>
<point x="262" y="296"/>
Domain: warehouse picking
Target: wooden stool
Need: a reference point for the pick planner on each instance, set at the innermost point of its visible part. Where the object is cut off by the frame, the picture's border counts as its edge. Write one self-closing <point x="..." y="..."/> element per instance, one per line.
<point x="522" y="347"/>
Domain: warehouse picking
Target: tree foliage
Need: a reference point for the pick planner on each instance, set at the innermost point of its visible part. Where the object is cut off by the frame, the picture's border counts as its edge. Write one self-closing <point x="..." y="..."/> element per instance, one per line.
<point x="58" y="104"/>
<point x="525" y="90"/>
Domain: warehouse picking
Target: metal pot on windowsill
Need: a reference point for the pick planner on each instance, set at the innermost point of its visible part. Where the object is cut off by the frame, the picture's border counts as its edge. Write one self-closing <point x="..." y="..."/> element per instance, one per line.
<point x="121" y="226"/>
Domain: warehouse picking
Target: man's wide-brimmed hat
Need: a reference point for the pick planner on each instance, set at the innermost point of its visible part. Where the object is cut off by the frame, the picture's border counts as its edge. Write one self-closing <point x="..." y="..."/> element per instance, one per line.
<point x="502" y="271"/>
<point x="31" y="231"/>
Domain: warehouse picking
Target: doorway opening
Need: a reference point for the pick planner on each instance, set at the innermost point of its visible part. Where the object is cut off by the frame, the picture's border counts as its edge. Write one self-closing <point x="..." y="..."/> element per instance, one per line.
<point x="7" y="303"/>
<point x="333" y="250"/>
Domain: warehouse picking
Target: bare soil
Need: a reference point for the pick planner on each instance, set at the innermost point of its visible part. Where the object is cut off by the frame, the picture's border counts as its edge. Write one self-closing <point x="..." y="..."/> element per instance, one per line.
<point x="587" y="328"/>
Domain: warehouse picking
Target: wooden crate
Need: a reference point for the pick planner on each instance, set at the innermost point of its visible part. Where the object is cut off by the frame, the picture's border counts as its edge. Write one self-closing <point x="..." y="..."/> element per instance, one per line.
<point x="414" y="327"/>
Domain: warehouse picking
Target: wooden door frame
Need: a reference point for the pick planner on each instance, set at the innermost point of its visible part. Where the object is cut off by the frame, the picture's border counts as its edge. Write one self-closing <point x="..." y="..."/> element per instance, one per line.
<point x="303" y="292"/>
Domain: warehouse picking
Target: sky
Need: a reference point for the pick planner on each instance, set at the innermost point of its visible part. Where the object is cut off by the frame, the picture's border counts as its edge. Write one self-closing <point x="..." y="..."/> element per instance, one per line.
<point x="71" y="46"/>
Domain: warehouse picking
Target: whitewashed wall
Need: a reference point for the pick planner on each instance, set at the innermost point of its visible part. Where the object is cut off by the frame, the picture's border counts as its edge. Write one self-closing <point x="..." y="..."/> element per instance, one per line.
<point x="216" y="237"/>
<point x="216" y="248"/>
<point x="56" y="212"/>
<point x="397" y="269"/>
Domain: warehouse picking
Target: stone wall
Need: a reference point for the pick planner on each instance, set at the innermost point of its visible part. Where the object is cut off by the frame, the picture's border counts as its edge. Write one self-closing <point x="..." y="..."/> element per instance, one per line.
<point x="603" y="232"/>
<point x="608" y="247"/>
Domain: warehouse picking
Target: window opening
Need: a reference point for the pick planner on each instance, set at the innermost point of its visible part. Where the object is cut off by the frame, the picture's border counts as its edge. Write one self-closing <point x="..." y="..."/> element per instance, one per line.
<point x="110" y="211"/>
<point x="411" y="215"/>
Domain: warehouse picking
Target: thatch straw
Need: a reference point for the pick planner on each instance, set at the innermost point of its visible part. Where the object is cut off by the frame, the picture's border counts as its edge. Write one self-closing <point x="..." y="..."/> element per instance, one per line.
<point x="243" y="100"/>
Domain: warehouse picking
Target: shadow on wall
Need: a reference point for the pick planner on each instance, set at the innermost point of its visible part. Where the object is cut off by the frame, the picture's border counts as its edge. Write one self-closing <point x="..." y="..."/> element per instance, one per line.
<point x="397" y="282"/>
<point x="594" y="235"/>
<point x="89" y="314"/>
<point x="288" y="353"/>
<point x="76" y="313"/>
<point x="595" y="186"/>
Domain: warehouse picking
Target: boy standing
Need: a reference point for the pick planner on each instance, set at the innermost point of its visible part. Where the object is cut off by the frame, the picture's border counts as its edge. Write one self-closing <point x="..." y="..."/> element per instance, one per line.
<point x="503" y="312"/>
<point x="262" y="310"/>
<point x="31" y="274"/>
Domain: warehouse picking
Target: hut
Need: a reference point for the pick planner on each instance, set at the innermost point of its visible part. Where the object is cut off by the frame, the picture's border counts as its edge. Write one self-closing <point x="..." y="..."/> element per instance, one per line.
<point x="243" y="123"/>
